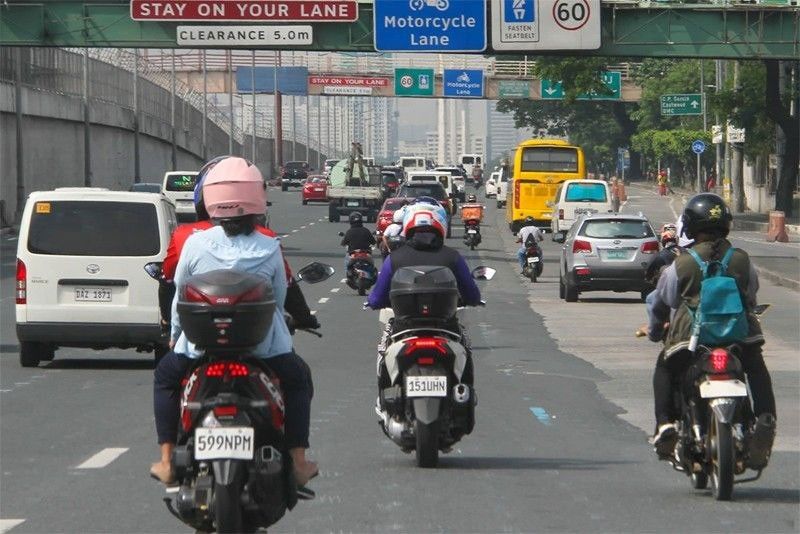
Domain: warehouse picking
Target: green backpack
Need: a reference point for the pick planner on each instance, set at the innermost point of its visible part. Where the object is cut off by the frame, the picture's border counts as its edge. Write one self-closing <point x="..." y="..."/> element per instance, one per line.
<point x="720" y="317"/>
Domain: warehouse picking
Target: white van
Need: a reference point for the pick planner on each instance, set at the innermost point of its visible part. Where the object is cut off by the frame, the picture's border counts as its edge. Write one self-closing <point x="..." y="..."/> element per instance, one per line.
<point x="443" y="177"/>
<point x="502" y="184"/>
<point x="469" y="161"/>
<point x="178" y="187"/>
<point x="577" y="197"/>
<point x="491" y="184"/>
<point x="80" y="271"/>
<point x="412" y="163"/>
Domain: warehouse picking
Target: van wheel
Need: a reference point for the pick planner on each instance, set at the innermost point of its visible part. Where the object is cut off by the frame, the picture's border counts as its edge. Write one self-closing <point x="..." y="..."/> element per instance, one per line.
<point x="562" y="291"/>
<point x="499" y="204"/>
<point x="31" y="353"/>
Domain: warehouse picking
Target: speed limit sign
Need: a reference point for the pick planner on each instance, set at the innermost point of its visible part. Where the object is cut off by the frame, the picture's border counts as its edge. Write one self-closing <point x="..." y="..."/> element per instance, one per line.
<point x="545" y="24"/>
<point x="571" y="14"/>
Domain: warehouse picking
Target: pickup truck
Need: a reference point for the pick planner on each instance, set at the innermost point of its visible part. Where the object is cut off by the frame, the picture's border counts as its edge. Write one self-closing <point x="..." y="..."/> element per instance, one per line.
<point x="363" y="194"/>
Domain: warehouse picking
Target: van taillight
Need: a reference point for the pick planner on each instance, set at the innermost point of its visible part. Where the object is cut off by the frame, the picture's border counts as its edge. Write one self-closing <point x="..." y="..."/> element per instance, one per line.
<point x="22" y="282"/>
<point x="561" y="214"/>
<point x="581" y="246"/>
<point x="516" y="195"/>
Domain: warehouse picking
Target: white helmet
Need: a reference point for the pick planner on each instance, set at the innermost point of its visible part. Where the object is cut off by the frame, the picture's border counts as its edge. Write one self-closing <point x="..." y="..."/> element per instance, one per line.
<point x="399" y="213"/>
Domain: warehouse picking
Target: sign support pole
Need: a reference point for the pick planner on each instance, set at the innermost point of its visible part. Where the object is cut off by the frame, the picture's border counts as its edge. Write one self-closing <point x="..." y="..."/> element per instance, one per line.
<point x="230" y="101"/>
<point x="253" y="89"/>
<point x="205" y="108"/>
<point x="136" y="162"/>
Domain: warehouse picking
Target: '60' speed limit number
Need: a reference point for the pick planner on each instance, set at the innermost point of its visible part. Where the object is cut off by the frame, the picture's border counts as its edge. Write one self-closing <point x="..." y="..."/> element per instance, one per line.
<point x="571" y="14"/>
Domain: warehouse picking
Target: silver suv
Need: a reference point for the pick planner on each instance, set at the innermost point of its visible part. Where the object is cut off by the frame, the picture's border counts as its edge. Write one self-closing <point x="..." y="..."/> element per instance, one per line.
<point x="606" y="253"/>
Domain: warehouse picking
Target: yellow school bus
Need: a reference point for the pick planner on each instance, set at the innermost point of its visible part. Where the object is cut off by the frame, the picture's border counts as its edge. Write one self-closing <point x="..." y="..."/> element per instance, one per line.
<point x="537" y="168"/>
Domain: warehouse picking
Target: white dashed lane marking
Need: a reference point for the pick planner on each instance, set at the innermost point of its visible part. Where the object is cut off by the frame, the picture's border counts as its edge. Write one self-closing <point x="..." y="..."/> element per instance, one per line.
<point x="343" y="280"/>
<point x="8" y="524"/>
<point x="103" y="458"/>
<point x="295" y="230"/>
<point x="323" y="300"/>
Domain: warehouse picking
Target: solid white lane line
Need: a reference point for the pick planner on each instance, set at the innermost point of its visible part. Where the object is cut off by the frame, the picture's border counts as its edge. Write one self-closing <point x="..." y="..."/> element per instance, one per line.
<point x="323" y="300"/>
<point x="335" y="289"/>
<point x="103" y="458"/>
<point x="8" y="524"/>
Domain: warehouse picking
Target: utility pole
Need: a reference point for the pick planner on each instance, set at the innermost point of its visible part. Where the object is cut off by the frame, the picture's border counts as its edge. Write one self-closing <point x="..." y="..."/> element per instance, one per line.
<point x="20" y="153"/>
<point x="253" y="91"/>
<point x="205" y="109"/>
<point x="136" y="161"/>
<point x="232" y="125"/>
<point x="319" y="130"/>
<point x="173" y="134"/>
<point x="737" y="178"/>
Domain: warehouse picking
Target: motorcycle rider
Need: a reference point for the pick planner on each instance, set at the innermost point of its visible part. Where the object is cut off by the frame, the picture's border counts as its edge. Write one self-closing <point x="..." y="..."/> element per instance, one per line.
<point x="528" y="229"/>
<point x="707" y="220"/>
<point x="394" y="230"/>
<point x="425" y="227"/>
<point x="670" y="250"/>
<point x="295" y="305"/>
<point x="234" y="197"/>
<point x="357" y="237"/>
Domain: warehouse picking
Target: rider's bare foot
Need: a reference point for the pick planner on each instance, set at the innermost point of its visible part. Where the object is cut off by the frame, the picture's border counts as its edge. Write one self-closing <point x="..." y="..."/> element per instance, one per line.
<point x="162" y="472"/>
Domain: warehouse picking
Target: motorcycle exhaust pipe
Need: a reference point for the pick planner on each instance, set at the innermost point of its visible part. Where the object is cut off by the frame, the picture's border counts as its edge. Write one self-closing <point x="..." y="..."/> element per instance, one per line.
<point x="461" y="393"/>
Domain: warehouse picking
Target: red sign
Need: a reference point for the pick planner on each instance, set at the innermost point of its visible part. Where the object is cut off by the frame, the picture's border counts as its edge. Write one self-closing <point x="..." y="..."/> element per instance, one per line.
<point x="348" y="81"/>
<point x="246" y="10"/>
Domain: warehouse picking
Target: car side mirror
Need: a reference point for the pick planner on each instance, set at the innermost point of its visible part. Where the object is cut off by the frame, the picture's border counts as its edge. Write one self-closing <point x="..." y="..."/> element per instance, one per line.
<point x="558" y="237"/>
<point x="154" y="269"/>
<point x="315" y="272"/>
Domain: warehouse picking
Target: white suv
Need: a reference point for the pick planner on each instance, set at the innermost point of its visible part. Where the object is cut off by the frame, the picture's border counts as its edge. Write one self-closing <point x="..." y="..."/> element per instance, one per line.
<point x="178" y="187"/>
<point x="80" y="271"/>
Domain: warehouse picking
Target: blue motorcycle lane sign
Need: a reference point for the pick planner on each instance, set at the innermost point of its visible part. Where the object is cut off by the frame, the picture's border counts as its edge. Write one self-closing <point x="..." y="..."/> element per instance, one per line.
<point x="431" y="25"/>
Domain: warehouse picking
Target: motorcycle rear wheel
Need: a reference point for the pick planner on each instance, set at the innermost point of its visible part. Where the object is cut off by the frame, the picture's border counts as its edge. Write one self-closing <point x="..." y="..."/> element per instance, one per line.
<point x="427" y="452"/>
<point x="722" y="456"/>
<point x="227" y="508"/>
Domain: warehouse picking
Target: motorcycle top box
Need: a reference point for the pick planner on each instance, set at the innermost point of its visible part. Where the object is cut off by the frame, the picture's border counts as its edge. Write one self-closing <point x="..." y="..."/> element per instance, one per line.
<point x="424" y="291"/>
<point x="226" y="309"/>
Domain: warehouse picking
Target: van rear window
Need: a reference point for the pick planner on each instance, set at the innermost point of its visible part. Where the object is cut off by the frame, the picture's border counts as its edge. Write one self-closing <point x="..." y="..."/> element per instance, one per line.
<point x="467" y="160"/>
<point x="85" y="228"/>
<point x="586" y="193"/>
<point x="181" y="182"/>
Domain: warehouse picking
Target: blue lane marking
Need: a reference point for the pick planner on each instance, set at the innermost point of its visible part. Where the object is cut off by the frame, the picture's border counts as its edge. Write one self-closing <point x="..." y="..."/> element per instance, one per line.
<point x="541" y="414"/>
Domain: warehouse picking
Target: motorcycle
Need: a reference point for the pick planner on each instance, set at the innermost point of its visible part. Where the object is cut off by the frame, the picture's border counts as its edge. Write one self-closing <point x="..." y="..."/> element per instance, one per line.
<point x="471" y="215"/>
<point x="424" y="405"/>
<point x="233" y="470"/>
<point x="533" y="262"/>
<point x="715" y="422"/>
<point x="361" y="272"/>
<point x="394" y="242"/>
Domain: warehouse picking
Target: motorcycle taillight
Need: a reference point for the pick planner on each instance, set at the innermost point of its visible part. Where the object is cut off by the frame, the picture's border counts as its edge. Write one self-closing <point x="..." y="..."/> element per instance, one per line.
<point x="719" y="359"/>
<point x="422" y="343"/>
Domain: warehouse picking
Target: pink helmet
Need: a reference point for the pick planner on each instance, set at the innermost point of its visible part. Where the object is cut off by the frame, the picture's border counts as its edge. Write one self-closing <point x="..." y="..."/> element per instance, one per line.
<point x="234" y="187"/>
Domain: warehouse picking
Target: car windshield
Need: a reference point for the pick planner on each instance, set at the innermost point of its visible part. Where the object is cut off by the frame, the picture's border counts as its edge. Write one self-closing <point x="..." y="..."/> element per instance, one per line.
<point x="549" y="159"/>
<point x="87" y="228"/>
<point x="586" y="193"/>
<point x="181" y="182"/>
<point x="616" y="229"/>
<point x="296" y="165"/>
<point x="426" y="190"/>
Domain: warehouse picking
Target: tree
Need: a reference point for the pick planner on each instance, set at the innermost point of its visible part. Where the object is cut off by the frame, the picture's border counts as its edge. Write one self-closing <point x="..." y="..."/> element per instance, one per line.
<point x="778" y="110"/>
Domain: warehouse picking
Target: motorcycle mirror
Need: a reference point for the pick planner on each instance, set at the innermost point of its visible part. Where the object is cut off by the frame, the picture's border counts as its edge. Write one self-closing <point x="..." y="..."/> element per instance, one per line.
<point x="154" y="269"/>
<point x="315" y="272"/>
<point x="483" y="273"/>
<point x="341" y="234"/>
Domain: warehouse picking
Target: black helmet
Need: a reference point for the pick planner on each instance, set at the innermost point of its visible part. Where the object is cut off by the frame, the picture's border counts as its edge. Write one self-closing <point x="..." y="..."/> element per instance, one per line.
<point x="472" y="198"/>
<point x="356" y="219"/>
<point x="529" y="220"/>
<point x="706" y="212"/>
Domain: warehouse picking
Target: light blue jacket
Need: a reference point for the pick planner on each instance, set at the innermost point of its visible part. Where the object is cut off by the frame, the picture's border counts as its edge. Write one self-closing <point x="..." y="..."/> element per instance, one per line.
<point x="256" y="254"/>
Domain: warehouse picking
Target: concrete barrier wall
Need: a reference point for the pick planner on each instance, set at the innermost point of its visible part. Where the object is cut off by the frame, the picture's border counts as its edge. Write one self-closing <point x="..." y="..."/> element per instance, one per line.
<point x="53" y="145"/>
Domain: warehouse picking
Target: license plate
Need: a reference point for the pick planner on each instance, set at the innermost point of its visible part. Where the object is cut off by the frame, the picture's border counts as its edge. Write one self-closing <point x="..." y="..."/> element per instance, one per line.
<point x="235" y="443"/>
<point x="319" y="189"/>
<point x="92" y="294"/>
<point x="426" y="386"/>
<point x="579" y="211"/>
<point x="722" y="388"/>
<point x="352" y="203"/>
<point x="534" y="259"/>
<point x="617" y="254"/>
<point x="472" y="231"/>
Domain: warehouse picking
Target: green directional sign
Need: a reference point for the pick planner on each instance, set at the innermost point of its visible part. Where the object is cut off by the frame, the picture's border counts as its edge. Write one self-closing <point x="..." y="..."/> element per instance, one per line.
<point x="613" y="81"/>
<point x="413" y="82"/>
<point x="689" y="104"/>
<point x="513" y="89"/>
